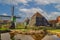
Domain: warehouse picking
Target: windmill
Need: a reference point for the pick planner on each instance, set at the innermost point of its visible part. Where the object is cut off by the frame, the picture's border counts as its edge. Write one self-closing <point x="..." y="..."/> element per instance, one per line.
<point x="13" y="18"/>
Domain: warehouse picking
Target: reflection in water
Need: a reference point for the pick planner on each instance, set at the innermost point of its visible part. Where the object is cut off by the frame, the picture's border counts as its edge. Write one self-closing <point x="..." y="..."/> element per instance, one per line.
<point x="23" y="37"/>
<point x="6" y="36"/>
<point x="51" y="37"/>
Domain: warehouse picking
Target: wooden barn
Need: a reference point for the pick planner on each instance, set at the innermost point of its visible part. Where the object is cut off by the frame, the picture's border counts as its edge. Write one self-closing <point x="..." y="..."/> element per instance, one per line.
<point x="38" y="20"/>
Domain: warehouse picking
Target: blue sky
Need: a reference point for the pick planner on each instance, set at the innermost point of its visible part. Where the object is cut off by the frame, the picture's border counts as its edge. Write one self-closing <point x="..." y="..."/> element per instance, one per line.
<point x="26" y="8"/>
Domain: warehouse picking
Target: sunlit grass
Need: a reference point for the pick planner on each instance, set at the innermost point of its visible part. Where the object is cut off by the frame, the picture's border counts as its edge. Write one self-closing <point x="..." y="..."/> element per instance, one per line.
<point x="55" y="31"/>
<point x="22" y="28"/>
<point x="4" y="29"/>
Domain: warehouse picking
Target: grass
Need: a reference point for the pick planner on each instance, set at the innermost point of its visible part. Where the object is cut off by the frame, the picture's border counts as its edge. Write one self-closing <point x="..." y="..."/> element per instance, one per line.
<point x="55" y="31"/>
<point x="22" y="28"/>
<point x="4" y="29"/>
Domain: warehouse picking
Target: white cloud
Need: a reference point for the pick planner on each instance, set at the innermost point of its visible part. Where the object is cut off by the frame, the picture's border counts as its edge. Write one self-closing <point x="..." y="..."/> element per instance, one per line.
<point x="14" y="2"/>
<point x="5" y="14"/>
<point x="53" y="15"/>
<point x="58" y="6"/>
<point x="44" y="2"/>
<point x="31" y="11"/>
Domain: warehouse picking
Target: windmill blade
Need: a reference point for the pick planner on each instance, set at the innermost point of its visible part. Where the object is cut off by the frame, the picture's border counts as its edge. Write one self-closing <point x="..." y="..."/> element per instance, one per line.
<point x="18" y="17"/>
<point x="4" y="16"/>
<point x="12" y="15"/>
<point x="8" y="16"/>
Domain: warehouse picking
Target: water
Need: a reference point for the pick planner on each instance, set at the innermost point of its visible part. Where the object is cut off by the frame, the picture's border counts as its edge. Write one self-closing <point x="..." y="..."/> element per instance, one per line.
<point x="23" y="37"/>
<point x="6" y="36"/>
<point x="51" y="37"/>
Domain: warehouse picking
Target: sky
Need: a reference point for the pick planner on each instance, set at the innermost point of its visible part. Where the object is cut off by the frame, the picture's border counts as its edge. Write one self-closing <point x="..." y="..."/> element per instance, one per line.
<point x="50" y="9"/>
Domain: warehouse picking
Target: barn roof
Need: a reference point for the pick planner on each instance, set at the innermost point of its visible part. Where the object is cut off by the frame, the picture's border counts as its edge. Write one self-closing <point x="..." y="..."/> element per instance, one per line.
<point x="37" y="14"/>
